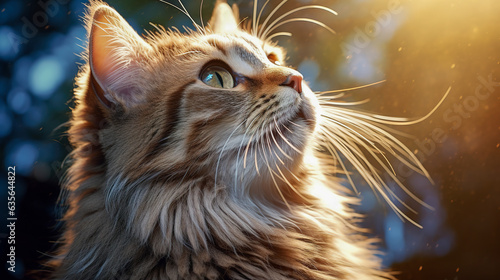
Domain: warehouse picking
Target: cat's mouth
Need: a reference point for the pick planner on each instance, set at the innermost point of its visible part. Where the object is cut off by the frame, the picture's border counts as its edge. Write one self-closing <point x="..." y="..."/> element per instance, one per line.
<point x="290" y="128"/>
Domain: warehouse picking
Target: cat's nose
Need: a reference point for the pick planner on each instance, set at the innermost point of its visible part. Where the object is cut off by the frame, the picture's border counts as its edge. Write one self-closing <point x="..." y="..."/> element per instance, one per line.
<point x="294" y="81"/>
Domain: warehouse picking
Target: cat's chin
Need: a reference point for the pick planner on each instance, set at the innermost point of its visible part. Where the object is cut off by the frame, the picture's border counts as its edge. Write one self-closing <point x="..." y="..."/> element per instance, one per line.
<point x="308" y="108"/>
<point x="307" y="115"/>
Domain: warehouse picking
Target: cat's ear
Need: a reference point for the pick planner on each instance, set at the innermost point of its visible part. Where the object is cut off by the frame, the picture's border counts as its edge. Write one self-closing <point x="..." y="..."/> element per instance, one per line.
<point x="224" y="19"/>
<point x="115" y="55"/>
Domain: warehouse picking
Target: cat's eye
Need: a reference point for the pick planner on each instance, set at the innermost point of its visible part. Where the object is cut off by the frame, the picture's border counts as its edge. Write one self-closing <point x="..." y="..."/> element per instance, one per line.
<point x="217" y="76"/>
<point x="274" y="59"/>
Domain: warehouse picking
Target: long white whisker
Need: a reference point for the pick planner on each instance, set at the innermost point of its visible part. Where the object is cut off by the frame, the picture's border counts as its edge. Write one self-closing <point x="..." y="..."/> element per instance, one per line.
<point x="365" y="139"/>
<point x="334" y="152"/>
<point x="222" y="151"/>
<point x="370" y="178"/>
<point x="326" y="101"/>
<point x="277" y="34"/>
<point x="185" y="12"/>
<point x="419" y="119"/>
<point x="258" y="18"/>
<point x="379" y="131"/>
<point x="398" y="121"/>
<point x="379" y="135"/>
<point x="356" y="117"/>
<point x="297" y="10"/>
<point x="329" y="97"/>
<point x="254" y="29"/>
<point x="349" y="89"/>
<point x="192" y="20"/>
<point x="348" y="135"/>
<point x="259" y="34"/>
<point x="284" y="138"/>
<point x="246" y="151"/>
<point x="271" y="173"/>
<point x="279" y="148"/>
<point x="256" y="161"/>
<point x="283" y="178"/>
<point x="299" y="19"/>
<point x="239" y="150"/>
<point x="201" y="15"/>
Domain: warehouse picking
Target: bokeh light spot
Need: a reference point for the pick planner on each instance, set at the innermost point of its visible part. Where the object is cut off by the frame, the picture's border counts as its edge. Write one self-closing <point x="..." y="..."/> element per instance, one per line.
<point x="394" y="236"/>
<point x="19" y="101"/>
<point x="46" y="76"/>
<point x="309" y="69"/>
<point x="7" y="51"/>
<point x="5" y="120"/>
<point x="23" y="155"/>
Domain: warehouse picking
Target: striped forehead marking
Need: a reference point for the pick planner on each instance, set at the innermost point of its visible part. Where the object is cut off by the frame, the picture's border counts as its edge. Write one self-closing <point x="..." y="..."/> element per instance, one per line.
<point x="240" y="48"/>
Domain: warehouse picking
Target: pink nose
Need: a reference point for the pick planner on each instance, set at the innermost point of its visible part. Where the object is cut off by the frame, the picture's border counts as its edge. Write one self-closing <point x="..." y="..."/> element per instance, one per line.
<point x="294" y="81"/>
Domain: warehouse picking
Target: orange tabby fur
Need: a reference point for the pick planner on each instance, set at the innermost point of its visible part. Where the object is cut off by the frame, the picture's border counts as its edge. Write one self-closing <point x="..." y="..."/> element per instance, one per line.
<point x="166" y="182"/>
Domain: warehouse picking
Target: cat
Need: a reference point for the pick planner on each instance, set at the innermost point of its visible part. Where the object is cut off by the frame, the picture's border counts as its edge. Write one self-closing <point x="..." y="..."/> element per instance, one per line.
<point x="201" y="155"/>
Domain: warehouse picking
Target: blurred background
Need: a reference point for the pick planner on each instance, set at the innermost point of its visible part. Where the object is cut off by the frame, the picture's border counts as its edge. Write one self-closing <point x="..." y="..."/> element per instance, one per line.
<point x="420" y="48"/>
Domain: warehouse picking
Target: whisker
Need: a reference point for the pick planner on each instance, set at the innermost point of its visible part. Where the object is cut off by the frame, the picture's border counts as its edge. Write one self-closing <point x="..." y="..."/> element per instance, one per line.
<point x="192" y="20"/>
<point x="277" y="34"/>
<point x="185" y="12"/>
<point x="300" y="19"/>
<point x="369" y="177"/>
<point x="294" y="11"/>
<point x="258" y="18"/>
<point x="370" y="129"/>
<point x="395" y="120"/>
<point x="239" y="150"/>
<point x="201" y="15"/>
<point x="284" y="138"/>
<point x="279" y="148"/>
<point x="286" y="127"/>
<point x="222" y="150"/>
<point x="255" y="3"/>
<point x="271" y="173"/>
<point x="259" y="34"/>
<point x="350" y="89"/>
<point x="356" y="116"/>
<point x="327" y="102"/>
<point x="283" y="178"/>
<point x="334" y="152"/>
<point x="418" y="120"/>
<point x="296" y="124"/>
<point x="246" y="151"/>
<point x="379" y="134"/>
<point x="351" y="145"/>
<point x="363" y="138"/>
<point x="256" y="163"/>
<point x="329" y="97"/>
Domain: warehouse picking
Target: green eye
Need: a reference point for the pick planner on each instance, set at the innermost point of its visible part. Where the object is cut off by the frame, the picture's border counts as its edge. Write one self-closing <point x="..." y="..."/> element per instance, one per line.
<point x="218" y="77"/>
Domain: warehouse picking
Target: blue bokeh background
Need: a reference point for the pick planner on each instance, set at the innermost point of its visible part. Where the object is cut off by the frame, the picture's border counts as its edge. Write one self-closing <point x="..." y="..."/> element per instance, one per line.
<point x="420" y="49"/>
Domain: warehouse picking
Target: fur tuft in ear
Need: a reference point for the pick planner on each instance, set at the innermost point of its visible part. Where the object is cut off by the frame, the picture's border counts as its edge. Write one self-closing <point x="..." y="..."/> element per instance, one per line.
<point x="224" y="19"/>
<point x="115" y="55"/>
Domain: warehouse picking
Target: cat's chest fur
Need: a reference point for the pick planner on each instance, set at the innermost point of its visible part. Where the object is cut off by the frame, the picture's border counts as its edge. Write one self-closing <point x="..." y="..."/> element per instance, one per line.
<point x="211" y="236"/>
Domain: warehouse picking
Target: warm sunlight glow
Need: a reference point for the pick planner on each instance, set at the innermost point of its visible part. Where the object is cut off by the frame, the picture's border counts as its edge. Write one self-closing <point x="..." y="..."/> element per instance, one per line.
<point x="326" y="196"/>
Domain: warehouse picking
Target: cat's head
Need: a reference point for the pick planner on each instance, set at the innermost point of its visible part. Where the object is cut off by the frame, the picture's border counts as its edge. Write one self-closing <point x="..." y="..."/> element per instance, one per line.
<point x="214" y="102"/>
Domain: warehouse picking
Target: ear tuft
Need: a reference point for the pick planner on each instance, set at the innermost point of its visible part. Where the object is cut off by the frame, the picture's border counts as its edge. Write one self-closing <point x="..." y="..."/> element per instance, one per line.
<point x="116" y="52"/>
<point x="224" y="19"/>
